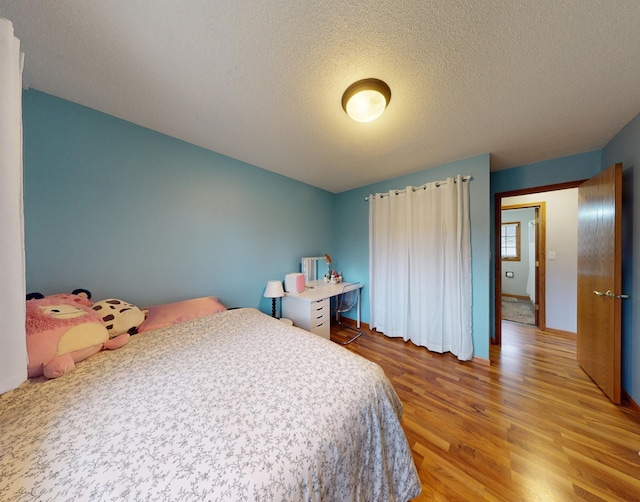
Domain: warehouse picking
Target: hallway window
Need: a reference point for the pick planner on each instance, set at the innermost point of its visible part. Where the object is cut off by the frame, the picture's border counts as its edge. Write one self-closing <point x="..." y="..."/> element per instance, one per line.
<point x="510" y="241"/>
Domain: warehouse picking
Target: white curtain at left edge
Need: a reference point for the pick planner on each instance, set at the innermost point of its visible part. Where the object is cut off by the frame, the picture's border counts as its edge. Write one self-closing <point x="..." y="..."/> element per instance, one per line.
<point x="13" y="345"/>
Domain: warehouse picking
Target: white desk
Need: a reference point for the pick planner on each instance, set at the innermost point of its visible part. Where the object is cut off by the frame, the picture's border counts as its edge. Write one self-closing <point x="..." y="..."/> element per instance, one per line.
<point x="310" y="309"/>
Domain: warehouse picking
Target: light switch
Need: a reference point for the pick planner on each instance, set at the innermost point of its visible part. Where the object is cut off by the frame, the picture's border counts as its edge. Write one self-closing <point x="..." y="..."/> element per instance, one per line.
<point x="509" y="275"/>
<point x="552" y="255"/>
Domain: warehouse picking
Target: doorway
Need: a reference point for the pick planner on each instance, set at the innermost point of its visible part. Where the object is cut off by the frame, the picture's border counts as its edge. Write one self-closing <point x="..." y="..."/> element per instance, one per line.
<point x="523" y="231"/>
<point x="534" y="194"/>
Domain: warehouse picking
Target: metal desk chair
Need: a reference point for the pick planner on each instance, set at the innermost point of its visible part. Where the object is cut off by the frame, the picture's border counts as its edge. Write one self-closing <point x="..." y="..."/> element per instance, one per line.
<point x="345" y="302"/>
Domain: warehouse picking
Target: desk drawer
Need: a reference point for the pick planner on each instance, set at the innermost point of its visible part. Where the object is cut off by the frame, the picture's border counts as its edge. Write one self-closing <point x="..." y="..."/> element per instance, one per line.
<point x="319" y="313"/>
<point x="323" y="330"/>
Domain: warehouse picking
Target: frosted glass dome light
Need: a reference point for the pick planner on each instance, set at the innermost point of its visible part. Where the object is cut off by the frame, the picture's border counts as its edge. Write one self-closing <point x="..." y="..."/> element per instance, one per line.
<point x="365" y="100"/>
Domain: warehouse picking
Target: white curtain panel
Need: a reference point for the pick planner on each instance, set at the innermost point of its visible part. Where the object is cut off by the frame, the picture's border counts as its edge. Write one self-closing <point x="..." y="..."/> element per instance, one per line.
<point x="13" y="349"/>
<point x="420" y="266"/>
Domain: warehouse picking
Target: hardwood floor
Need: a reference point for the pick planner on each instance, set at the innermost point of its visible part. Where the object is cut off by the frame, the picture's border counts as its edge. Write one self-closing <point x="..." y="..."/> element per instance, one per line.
<point x="531" y="426"/>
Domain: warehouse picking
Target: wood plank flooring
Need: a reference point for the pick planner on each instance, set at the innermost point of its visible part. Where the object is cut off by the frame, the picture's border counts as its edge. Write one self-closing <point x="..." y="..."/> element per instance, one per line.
<point x="531" y="426"/>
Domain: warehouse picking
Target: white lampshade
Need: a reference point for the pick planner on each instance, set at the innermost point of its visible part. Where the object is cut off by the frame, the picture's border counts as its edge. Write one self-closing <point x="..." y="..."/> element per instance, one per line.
<point x="274" y="289"/>
<point x="366" y="99"/>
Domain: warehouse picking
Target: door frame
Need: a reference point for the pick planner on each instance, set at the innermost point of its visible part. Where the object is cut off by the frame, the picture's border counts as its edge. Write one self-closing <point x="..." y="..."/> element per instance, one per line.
<point x="540" y="252"/>
<point x="497" y="205"/>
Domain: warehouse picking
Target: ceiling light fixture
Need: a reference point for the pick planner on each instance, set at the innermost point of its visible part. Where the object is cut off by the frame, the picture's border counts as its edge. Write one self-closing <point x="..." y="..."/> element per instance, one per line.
<point x="365" y="100"/>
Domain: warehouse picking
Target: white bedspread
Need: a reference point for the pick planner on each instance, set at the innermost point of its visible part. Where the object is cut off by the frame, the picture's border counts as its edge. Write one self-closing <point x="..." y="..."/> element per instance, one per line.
<point x="234" y="406"/>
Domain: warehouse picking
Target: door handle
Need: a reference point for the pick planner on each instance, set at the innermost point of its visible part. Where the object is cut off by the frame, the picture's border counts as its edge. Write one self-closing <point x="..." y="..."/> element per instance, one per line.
<point x="609" y="294"/>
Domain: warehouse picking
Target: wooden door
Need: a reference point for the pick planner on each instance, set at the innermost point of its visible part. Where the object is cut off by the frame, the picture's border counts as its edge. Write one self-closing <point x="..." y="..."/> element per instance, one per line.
<point x="600" y="279"/>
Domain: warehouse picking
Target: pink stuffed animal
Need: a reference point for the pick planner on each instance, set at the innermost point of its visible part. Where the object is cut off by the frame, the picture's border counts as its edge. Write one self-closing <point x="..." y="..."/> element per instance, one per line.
<point x="63" y="330"/>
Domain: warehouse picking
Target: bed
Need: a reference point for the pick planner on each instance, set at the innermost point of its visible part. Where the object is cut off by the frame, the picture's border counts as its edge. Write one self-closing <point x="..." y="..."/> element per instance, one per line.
<point x="231" y="406"/>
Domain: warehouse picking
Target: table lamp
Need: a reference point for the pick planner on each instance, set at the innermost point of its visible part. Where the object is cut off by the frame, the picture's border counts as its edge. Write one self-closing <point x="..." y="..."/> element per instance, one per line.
<point x="274" y="290"/>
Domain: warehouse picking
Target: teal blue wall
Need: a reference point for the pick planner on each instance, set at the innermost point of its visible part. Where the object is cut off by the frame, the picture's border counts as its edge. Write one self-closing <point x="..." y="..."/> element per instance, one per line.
<point x="351" y="241"/>
<point x="130" y="213"/>
<point x="581" y="166"/>
<point x="127" y="212"/>
<point x="625" y="148"/>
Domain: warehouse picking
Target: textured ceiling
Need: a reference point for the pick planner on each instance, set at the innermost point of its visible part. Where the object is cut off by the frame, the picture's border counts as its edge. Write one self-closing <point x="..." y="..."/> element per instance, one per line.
<point x="262" y="81"/>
